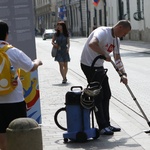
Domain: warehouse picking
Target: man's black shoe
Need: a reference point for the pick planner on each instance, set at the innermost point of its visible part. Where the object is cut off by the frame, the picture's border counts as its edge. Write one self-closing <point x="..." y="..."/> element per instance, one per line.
<point x="114" y="129"/>
<point x="106" y="131"/>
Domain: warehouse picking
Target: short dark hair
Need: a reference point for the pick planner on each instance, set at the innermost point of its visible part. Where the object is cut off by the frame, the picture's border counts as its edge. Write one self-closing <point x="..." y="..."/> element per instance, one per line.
<point x="3" y="30"/>
<point x="125" y="23"/>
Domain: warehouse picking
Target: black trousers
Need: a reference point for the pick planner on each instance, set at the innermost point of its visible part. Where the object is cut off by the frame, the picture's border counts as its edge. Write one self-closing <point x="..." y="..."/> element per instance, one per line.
<point x="9" y="112"/>
<point x="102" y="99"/>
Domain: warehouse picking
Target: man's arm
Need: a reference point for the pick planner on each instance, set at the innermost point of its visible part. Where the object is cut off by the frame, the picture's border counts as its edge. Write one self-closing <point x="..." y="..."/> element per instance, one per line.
<point x="94" y="45"/>
<point x="119" y="63"/>
<point x="120" y="66"/>
<point x="37" y="63"/>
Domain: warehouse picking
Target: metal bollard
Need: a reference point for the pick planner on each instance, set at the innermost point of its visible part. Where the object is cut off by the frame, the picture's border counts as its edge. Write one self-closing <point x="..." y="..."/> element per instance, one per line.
<point x="24" y="134"/>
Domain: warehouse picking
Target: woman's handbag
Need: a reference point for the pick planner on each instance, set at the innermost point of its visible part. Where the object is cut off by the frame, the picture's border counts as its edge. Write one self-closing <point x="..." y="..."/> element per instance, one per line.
<point x="54" y="51"/>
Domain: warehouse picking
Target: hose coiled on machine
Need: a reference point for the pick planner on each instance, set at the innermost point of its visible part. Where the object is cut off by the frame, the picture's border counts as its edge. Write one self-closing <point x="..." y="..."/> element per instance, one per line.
<point x="88" y="94"/>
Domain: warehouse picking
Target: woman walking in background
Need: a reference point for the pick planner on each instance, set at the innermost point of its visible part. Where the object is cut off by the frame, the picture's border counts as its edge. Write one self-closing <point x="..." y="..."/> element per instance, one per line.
<point x="62" y="42"/>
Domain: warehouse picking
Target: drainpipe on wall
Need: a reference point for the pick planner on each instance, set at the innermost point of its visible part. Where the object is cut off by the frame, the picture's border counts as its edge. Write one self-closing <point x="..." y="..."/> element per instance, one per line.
<point x="81" y="18"/>
<point x="105" y="13"/>
<point x="128" y="9"/>
<point x="120" y="9"/>
<point x="87" y="19"/>
<point x="120" y="12"/>
<point x="71" y="21"/>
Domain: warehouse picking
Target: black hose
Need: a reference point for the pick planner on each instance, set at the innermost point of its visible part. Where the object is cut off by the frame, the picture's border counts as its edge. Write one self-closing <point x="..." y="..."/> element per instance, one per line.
<point x="56" y="120"/>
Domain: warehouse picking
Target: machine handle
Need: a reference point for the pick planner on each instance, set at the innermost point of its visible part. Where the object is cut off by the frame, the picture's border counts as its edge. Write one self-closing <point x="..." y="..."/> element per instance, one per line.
<point x="77" y="87"/>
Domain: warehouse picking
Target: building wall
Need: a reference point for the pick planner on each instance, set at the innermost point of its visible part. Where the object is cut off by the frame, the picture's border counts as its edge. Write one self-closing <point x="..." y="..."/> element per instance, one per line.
<point x="81" y="21"/>
<point x="45" y="14"/>
<point x="112" y="12"/>
<point x="146" y="32"/>
<point x="140" y="28"/>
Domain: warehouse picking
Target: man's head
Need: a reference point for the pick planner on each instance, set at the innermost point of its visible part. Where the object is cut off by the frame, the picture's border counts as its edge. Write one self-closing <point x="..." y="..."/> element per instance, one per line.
<point x="122" y="28"/>
<point x="3" y="30"/>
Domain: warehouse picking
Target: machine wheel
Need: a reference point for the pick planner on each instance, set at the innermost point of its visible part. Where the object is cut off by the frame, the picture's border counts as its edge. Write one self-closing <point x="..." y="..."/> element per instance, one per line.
<point x="81" y="137"/>
<point x="56" y="120"/>
<point x="65" y="140"/>
<point x="97" y="134"/>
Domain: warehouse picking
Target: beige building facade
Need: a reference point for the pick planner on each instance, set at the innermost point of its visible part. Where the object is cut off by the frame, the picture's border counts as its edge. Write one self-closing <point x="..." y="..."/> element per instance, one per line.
<point x="45" y="14"/>
<point x="81" y="16"/>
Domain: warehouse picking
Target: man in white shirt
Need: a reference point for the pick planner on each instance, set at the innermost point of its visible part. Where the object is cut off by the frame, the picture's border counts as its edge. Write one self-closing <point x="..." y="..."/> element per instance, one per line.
<point x="12" y="105"/>
<point x="103" y="41"/>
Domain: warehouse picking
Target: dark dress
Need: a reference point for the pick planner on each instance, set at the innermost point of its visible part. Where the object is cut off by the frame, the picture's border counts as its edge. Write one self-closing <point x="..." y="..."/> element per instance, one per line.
<point x="62" y="54"/>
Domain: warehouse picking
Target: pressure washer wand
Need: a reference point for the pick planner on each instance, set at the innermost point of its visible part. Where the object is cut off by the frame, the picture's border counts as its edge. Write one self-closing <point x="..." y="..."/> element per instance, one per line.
<point x="132" y="95"/>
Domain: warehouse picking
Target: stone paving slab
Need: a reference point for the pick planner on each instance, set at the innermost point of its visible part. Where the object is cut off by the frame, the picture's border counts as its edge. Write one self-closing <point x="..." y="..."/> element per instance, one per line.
<point x="52" y="95"/>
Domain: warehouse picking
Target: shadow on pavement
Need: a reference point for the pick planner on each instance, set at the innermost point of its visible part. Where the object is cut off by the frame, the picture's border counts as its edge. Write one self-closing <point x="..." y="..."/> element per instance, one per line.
<point x="104" y="142"/>
<point x="60" y="84"/>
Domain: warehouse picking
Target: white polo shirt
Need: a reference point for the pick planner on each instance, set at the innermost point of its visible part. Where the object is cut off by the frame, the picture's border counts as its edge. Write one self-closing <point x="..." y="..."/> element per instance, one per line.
<point x="106" y="42"/>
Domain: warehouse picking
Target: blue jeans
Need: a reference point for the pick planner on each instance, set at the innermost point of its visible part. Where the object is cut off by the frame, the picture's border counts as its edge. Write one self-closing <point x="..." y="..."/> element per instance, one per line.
<point x="103" y="98"/>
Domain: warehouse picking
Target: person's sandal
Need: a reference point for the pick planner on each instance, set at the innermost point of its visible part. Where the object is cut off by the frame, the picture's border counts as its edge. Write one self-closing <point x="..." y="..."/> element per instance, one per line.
<point x="64" y="81"/>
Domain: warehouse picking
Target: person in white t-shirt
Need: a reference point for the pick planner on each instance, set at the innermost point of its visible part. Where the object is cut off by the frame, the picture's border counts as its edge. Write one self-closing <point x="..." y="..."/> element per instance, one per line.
<point x="103" y="41"/>
<point x="12" y="105"/>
